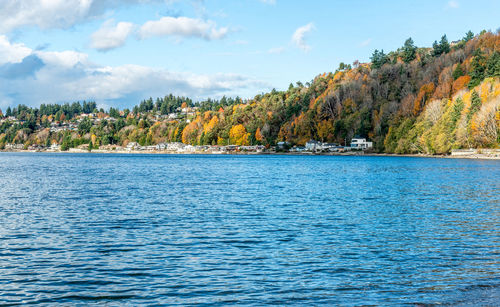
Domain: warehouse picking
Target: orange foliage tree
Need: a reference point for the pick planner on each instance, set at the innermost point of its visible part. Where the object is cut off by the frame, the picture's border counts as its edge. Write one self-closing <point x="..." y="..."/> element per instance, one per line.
<point x="460" y="83"/>
<point x="425" y="92"/>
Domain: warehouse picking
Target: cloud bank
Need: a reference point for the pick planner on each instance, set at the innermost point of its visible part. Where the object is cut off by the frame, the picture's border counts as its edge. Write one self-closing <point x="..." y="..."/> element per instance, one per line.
<point x="33" y="77"/>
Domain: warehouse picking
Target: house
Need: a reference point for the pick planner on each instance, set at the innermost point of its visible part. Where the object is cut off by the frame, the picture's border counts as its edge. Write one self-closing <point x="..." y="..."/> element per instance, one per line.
<point x="313" y="145"/>
<point x="360" y="143"/>
<point x="176" y="146"/>
<point x="131" y="146"/>
<point x="161" y="146"/>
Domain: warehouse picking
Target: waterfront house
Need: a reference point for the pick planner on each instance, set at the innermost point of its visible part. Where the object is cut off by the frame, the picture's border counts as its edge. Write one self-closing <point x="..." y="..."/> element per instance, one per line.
<point x="176" y="146"/>
<point x="55" y="147"/>
<point x="313" y="145"/>
<point x="360" y="143"/>
<point x="131" y="146"/>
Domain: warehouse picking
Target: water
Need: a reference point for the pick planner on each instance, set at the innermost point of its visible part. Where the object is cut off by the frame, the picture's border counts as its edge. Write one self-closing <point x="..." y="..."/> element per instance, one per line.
<point x="282" y="230"/>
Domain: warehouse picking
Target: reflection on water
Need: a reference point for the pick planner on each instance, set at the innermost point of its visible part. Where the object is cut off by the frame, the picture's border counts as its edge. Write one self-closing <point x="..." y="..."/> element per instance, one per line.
<point x="286" y="230"/>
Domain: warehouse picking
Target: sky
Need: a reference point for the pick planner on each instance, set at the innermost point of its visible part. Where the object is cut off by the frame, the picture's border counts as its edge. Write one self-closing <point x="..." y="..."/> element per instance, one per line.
<point x="118" y="52"/>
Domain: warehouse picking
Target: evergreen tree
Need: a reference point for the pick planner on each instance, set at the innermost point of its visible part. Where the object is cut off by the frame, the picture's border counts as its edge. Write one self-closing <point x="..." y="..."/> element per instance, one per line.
<point x="378" y="59"/>
<point x="409" y="51"/>
<point x="475" y="105"/>
<point x="478" y="68"/>
<point x="468" y="36"/>
<point x="493" y="65"/>
<point x="8" y="112"/>
<point x="458" y="72"/>
<point x="442" y="47"/>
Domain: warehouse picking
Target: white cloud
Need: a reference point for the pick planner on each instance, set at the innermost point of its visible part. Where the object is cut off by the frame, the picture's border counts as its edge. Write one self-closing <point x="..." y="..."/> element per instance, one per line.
<point x="299" y="36"/>
<point x="111" y="36"/>
<point x="69" y="76"/>
<point x="12" y="53"/>
<point x="453" y="4"/>
<point x="48" y="14"/>
<point x="182" y="27"/>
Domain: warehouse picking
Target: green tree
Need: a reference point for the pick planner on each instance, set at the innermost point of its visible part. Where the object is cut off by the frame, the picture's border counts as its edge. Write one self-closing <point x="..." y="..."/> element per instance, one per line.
<point x="458" y="72"/>
<point x="475" y="105"/>
<point x="84" y="126"/>
<point x="442" y="47"/>
<point x="493" y="65"/>
<point x="378" y="59"/>
<point x="409" y="51"/>
<point x="478" y="68"/>
<point x="468" y="36"/>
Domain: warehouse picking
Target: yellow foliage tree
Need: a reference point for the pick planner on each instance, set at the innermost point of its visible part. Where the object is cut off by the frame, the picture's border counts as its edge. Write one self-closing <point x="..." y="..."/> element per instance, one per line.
<point x="238" y="135"/>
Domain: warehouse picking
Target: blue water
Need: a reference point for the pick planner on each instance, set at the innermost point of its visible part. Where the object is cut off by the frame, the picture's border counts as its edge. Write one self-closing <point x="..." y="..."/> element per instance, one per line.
<point x="83" y="229"/>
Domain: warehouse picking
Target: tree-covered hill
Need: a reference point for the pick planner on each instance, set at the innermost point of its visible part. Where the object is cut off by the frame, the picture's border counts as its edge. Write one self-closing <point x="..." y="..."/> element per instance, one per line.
<point x="411" y="100"/>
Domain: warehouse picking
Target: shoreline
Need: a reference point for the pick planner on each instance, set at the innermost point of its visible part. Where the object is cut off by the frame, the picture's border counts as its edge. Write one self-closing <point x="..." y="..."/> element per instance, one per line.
<point x="479" y="156"/>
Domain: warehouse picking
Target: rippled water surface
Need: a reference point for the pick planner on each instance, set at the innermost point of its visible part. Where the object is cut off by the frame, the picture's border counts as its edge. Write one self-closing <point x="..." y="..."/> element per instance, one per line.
<point x="282" y="230"/>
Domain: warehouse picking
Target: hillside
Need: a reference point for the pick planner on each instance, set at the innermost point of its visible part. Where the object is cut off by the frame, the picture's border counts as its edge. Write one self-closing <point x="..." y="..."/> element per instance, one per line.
<point x="412" y="100"/>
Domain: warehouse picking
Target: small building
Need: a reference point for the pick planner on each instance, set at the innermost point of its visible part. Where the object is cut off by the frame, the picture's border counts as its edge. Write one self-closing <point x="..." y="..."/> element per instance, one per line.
<point x="131" y="146"/>
<point x="313" y="145"/>
<point x="161" y="146"/>
<point x="176" y="146"/>
<point x="55" y="147"/>
<point x="360" y="143"/>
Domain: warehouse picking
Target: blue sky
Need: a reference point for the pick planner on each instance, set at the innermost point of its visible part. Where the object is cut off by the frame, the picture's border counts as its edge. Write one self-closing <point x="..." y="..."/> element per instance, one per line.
<point x="119" y="52"/>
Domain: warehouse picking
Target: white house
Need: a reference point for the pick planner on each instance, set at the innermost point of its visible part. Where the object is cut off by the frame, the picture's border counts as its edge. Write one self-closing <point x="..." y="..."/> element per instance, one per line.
<point x="132" y="145"/>
<point x="360" y="143"/>
<point x="313" y="145"/>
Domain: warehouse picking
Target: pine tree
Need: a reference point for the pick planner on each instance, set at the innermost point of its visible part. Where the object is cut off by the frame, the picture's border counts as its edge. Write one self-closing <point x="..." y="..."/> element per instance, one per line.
<point x="458" y="72"/>
<point x="378" y="59"/>
<point x="493" y="65"/>
<point x="468" y="36"/>
<point x="478" y="68"/>
<point x="409" y="51"/>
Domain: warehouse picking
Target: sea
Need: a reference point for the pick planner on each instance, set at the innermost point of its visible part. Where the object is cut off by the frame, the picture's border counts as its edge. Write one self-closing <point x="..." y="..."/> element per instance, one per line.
<point x="248" y="230"/>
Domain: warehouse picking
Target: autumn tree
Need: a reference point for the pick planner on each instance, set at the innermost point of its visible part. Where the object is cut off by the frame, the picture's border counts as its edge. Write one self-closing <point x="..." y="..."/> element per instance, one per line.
<point x="238" y="135"/>
<point x="460" y="83"/>
<point x="425" y="92"/>
<point x="258" y="135"/>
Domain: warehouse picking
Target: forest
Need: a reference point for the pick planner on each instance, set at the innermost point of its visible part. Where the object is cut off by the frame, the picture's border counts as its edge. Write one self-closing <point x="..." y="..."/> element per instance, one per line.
<point x="411" y="100"/>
